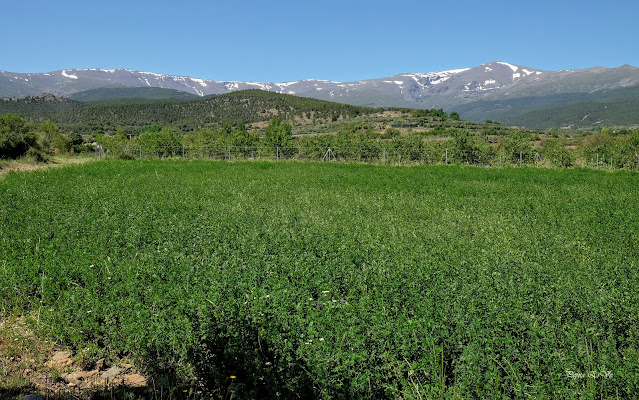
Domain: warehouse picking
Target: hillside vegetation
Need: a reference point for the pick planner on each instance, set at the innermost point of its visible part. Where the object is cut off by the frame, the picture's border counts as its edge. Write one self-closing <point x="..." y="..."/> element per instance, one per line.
<point x="260" y="124"/>
<point x="131" y="93"/>
<point x="249" y="106"/>
<point x="616" y="108"/>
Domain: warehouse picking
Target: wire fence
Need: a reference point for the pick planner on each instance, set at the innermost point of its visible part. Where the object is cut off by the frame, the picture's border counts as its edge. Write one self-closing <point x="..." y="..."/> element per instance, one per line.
<point x="370" y="154"/>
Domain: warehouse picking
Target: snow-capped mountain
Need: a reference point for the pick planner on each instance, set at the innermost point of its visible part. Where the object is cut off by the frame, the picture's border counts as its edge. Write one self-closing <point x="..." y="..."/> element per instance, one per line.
<point x="444" y="89"/>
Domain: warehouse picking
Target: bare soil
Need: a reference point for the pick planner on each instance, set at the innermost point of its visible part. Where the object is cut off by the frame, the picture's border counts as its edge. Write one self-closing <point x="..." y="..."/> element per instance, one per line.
<point x="30" y="365"/>
<point x="25" y="164"/>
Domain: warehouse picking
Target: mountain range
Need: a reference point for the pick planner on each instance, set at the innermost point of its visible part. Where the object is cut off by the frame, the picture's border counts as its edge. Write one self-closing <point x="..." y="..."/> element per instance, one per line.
<point x="498" y="90"/>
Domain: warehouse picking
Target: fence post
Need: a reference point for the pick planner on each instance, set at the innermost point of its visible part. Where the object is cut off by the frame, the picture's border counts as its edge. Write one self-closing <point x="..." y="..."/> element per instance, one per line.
<point x="446" y="156"/>
<point x="384" y="154"/>
<point x="521" y="158"/>
<point x="140" y="152"/>
<point x="229" y="153"/>
<point x="597" y="165"/>
<point x="277" y="153"/>
<point x="183" y="152"/>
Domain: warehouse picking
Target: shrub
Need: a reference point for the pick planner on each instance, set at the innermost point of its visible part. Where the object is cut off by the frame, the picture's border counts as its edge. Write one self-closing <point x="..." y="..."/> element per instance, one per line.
<point x="37" y="155"/>
<point x="516" y="146"/>
<point x="61" y="143"/>
<point x="15" y="136"/>
<point x="555" y="152"/>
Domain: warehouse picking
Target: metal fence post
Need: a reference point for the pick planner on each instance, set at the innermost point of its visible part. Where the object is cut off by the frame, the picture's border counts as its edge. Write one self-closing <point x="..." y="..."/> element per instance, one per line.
<point x="446" y="156"/>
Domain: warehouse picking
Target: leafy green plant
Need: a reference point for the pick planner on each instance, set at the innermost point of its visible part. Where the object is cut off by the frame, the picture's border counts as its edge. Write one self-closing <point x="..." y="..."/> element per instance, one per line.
<point x="330" y="280"/>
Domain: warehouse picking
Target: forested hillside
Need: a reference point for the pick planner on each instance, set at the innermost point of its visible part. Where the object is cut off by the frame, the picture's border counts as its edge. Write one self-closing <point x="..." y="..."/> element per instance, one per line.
<point x="617" y="108"/>
<point x="248" y="106"/>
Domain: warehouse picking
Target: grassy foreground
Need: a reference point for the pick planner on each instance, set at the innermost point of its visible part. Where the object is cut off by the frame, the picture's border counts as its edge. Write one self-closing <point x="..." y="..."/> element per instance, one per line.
<point x="264" y="280"/>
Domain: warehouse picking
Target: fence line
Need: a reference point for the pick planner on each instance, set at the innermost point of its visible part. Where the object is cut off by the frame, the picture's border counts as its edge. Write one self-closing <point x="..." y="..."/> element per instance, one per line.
<point x="367" y="154"/>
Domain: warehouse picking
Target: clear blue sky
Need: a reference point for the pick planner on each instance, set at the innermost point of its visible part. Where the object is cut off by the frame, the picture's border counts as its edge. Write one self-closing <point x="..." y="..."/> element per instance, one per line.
<point x="343" y="40"/>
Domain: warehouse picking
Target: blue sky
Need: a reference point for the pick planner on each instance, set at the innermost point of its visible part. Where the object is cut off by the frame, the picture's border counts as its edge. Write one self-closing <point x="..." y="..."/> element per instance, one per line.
<point x="344" y="40"/>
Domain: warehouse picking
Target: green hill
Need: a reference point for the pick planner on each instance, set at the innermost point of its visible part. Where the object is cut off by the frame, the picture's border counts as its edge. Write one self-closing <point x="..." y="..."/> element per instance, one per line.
<point x="248" y="106"/>
<point x="132" y="93"/>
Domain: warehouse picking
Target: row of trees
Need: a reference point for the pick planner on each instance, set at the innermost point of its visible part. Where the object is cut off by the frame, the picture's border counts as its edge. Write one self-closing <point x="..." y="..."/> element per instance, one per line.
<point x="361" y="142"/>
<point x="356" y="141"/>
<point x="18" y="137"/>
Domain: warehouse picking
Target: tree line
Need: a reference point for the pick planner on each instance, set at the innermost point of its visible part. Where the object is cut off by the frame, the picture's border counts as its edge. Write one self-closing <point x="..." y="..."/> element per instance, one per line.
<point x="448" y="142"/>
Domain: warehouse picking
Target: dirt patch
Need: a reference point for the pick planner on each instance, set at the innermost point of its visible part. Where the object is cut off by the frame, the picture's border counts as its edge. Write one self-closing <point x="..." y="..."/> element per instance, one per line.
<point x="25" y="165"/>
<point x="31" y="365"/>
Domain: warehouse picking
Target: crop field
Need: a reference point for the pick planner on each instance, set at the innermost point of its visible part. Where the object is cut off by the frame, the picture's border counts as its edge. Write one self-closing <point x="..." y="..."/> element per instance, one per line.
<point x="302" y="280"/>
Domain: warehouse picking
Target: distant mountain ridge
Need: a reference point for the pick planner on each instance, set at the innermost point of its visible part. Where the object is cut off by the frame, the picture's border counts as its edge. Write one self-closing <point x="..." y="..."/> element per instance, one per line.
<point x="466" y="89"/>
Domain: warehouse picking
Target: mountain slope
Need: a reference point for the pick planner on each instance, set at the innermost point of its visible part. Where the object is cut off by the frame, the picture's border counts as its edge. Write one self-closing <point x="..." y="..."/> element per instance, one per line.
<point x="614" y="107"/>
<point x="468" y="90"/>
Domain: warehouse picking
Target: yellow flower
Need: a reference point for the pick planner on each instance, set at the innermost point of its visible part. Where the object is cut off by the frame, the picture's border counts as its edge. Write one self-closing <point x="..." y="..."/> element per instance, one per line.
<point x="233" y="376"/>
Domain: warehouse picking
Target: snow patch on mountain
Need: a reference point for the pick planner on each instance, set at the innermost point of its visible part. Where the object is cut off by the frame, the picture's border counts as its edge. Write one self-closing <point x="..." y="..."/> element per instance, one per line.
<point x="513" y="67"/>
<point x="64" y="73"/>
<point x="200" y="81"/>
<point x="285" y="84"/>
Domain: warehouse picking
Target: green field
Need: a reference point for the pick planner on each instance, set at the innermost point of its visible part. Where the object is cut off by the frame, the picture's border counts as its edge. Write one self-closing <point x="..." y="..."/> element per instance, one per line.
<point x="334" y="280"/>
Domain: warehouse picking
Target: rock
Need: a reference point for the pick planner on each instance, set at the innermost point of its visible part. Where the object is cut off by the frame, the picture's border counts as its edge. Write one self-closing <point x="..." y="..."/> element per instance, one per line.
<point x="111" y="373"/>
<point x="78" y="376"/>
<point x="99" y="365"/>
<point x="134" y="380"/>
<point x="60" y="359"/>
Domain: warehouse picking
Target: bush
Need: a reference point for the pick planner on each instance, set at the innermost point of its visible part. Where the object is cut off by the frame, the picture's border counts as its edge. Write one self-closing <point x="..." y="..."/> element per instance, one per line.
<point x="125" y="156"/>
<point x="470" y="149"/>
<point x="37" y="155"/>
<point x="61" y="143"/>
<point x="163" y="143"/>
<point x="516" y="147"/>
<point x="16" y="136"/>
<point x="555" y="152"/>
